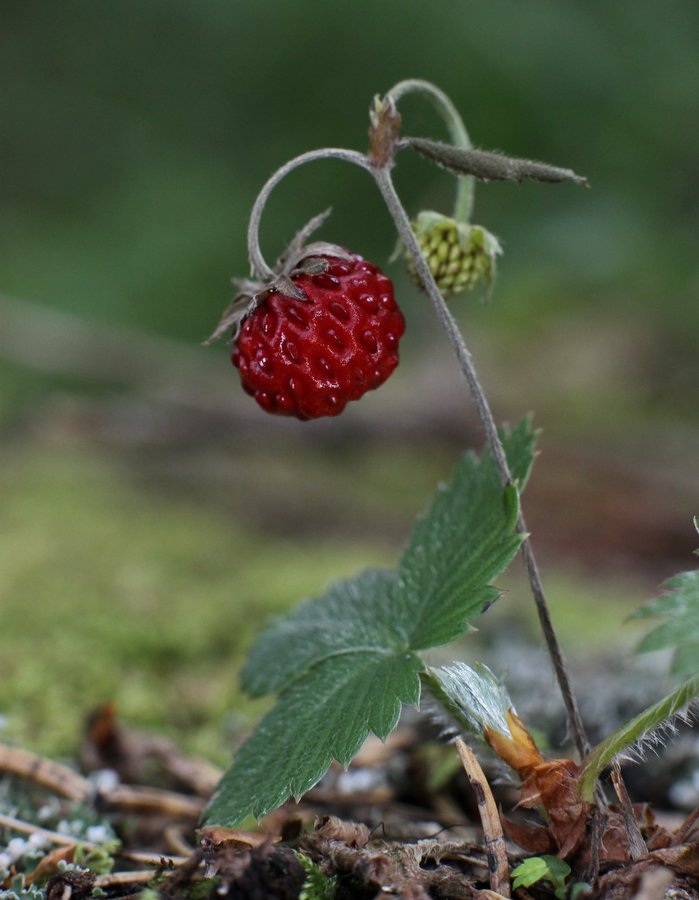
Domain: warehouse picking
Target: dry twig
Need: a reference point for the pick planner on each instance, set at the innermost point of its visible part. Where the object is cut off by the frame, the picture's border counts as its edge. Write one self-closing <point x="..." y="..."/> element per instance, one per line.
<point x="498" y="866"/>
<point x="53" y="776"/>
<point x="153" y="800"/>
<point x="637" y="846"/>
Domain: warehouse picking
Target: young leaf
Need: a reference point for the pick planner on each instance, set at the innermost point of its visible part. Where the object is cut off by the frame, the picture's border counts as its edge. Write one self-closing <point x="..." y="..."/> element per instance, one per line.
<point x="344" y="663"/>
<point x="541" y="868"/>
<point x="474" y="696"/>
<point x="679" y="606"/>
<point x="317" y="886"/>
<point x="634" y="730"/>
<point x="481" y="705"/>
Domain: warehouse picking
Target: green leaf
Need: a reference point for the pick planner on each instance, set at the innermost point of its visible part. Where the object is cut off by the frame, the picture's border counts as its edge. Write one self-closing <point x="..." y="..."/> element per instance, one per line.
<point x="317" y="886"/>
<point x="474" y="696"/>
<point x="326" y="715"/>
<point x="464" y="540"/>
<point x="344" y="663"/>
<point x="632" y="731"/>
<point x="540" y="868"/>
<point x="445" y="582"/>
<point x="679" y="606"/>
<point x="353" y="615"/>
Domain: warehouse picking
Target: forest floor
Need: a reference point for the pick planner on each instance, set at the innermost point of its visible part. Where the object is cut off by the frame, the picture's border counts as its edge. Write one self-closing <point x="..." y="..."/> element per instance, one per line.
<point x="136" y="566"/>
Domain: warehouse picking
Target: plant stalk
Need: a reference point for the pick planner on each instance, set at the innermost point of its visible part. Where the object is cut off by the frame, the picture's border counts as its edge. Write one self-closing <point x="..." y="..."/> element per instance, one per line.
<point x="465" y="184"/>
<point x="382" y="176"/>
<point x="258" y="266"/>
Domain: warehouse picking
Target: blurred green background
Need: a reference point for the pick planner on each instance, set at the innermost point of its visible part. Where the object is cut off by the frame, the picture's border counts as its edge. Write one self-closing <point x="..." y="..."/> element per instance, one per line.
<point x="151" y="516"/>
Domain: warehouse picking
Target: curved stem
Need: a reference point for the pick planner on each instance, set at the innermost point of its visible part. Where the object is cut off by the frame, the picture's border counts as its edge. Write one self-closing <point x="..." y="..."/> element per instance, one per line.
<point x="258" y="266"/>
<point x="466" y="184"/>
<point x="385" y="184"/>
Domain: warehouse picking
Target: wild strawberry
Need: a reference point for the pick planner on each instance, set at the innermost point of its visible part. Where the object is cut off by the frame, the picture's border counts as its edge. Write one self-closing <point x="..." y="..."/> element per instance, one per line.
<point x="309" y="357"/>
<point x="459" y="255"/>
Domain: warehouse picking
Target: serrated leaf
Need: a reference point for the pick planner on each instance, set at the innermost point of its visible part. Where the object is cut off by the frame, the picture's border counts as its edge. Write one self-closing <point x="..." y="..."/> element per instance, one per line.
<point x="409" y="609"/>
<point x="326" y="715"/>
<point x="445" y="584"/>
<point x="474" y="696"/>
<point x="344" y="663"/>
<point x="464" y="540"/>
<point x="679" y="606"/>
<point x="353" y="615"/>
<point x="633" y="731"/>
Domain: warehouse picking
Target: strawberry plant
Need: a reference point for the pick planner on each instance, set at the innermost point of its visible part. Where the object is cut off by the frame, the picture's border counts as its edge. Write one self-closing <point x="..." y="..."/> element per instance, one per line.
<point x="317" y="330"/>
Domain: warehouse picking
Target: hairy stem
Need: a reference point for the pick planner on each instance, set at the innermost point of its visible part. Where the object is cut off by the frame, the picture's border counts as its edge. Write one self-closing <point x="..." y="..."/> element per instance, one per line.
<point x="382" y="176"/>
<point x="258" y="266"/>
<point x="463" y="206"/>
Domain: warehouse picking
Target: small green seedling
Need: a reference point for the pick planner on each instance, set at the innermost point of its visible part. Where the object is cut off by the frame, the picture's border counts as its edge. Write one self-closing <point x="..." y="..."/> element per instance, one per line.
<point x="553" y="870"/>
<point x="317" y="886"/>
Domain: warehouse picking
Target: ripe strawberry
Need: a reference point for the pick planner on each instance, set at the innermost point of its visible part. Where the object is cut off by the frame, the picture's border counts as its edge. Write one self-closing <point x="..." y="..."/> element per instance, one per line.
<point x="309" y="358"/>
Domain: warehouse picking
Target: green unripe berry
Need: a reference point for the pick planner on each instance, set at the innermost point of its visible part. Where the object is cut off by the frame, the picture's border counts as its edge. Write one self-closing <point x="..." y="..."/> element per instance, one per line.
<point x="459" y="256"/>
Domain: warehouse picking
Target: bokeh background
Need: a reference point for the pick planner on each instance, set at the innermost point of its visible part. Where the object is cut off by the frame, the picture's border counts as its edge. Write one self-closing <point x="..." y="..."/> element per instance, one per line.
<point x="152" y="517"/>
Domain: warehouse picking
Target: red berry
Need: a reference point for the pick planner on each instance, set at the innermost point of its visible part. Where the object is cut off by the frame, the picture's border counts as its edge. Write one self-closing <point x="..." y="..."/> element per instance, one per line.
<point x="310" y="358"/>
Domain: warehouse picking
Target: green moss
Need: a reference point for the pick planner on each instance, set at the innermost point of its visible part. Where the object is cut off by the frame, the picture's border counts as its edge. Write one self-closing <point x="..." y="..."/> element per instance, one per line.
<point x="150" y="599"/>
<point x="113" y="593"/>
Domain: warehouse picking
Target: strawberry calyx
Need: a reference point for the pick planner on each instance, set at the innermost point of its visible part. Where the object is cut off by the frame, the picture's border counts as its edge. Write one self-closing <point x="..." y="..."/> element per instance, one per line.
<point x="299" y="258"/>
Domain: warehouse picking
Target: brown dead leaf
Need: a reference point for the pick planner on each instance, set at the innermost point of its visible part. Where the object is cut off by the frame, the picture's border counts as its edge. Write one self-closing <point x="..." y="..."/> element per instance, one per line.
<point x="615" y="839"/>
<point x="631" y="880"/>
<point x="683" y="859"/>
<point x="267" y="872"/>
<point x="372" y="867"/>
<point x="217" y="836"/>
<point x="688" y="828"/>
<point x="413" y="891"/>
<point x="219" y="845"/>
<point x="517" y="749"/>
<point x="352" y="834"/>
<point x="554" y="785"/>
<point x="535" y="839"/>
<point x="49" y="864"/>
